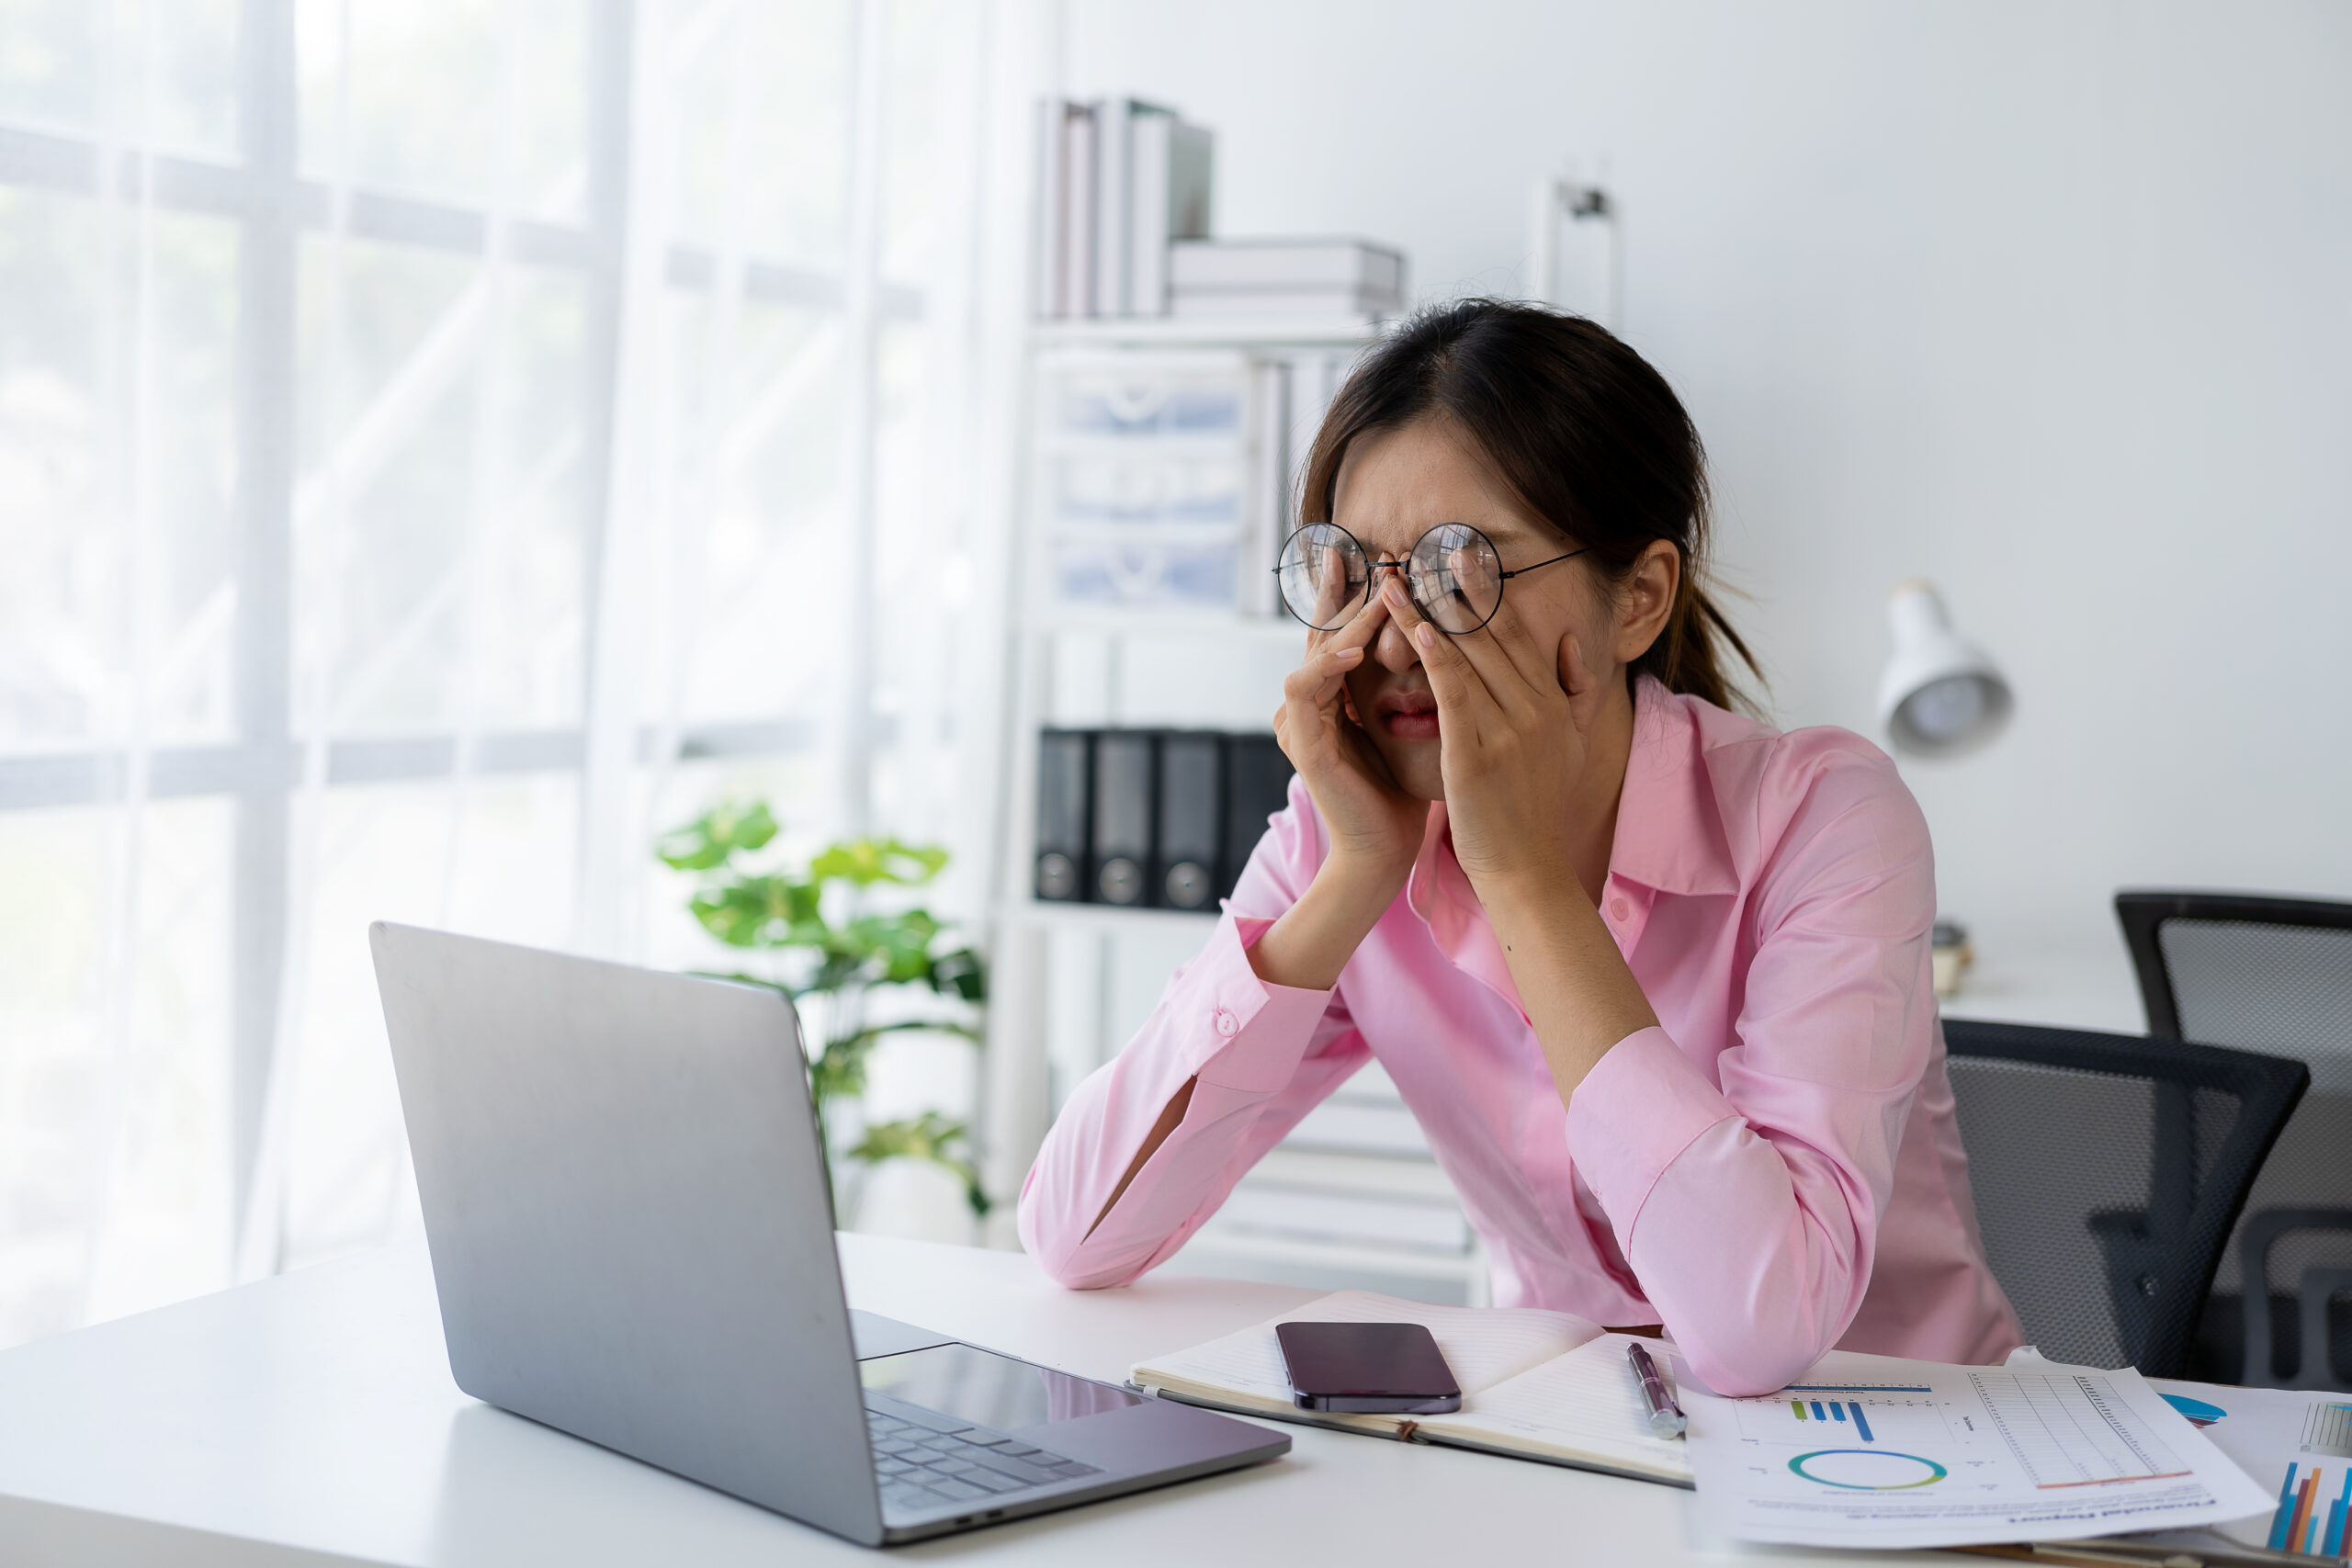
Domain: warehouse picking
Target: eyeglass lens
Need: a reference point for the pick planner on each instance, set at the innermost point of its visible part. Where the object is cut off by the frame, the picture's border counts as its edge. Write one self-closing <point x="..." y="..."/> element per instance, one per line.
<point x="1454" y="576"/>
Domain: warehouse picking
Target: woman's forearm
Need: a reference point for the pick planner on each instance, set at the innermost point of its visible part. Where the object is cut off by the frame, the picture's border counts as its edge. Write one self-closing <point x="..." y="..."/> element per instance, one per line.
<point x="1578" y="994"/>
<point x="1317" y="936"/>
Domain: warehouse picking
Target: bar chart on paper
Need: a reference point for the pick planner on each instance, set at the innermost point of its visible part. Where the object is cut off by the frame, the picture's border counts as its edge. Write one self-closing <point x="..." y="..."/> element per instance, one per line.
<point x="2310" y="1514"/>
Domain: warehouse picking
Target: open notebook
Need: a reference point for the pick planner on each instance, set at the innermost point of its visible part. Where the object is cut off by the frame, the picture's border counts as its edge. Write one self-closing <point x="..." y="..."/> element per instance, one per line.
<point x="1535" y="1384"/>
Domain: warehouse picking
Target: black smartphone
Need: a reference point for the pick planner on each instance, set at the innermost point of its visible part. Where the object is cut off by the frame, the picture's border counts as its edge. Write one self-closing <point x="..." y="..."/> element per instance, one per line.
<point x="1391" y="1368"/>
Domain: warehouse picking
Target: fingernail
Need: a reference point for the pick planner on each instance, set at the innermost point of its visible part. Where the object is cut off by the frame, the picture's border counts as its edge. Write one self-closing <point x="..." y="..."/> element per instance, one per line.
<point x="1424" y="635"/>
<point x="1350" y="655"/>
<point x="1393" y="594"/>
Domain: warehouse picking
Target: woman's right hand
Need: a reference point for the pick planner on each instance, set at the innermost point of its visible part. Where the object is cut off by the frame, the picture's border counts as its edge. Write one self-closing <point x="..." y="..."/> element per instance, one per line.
<point x="1374" y="827"/>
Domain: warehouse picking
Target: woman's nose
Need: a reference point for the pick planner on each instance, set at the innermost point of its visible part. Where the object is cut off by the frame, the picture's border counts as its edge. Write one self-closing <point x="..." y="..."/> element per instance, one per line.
<point x="1394" y="649"/>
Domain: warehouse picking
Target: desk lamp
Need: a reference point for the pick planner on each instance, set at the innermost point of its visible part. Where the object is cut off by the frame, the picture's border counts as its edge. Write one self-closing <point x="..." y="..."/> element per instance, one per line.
<point x="1940" y="697"/>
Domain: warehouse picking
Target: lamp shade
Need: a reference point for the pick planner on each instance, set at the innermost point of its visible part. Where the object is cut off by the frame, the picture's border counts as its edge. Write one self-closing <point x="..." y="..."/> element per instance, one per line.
<point x="1940" y="697"/>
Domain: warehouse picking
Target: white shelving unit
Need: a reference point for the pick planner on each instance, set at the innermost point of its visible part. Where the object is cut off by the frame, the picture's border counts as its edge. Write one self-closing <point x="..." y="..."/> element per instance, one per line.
<point x="1073" y="980"/>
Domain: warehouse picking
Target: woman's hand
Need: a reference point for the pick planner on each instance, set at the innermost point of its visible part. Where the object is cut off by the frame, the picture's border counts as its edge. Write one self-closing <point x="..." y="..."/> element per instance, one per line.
<point x="1375" y="828"/>
<point x="1513" y="719"/>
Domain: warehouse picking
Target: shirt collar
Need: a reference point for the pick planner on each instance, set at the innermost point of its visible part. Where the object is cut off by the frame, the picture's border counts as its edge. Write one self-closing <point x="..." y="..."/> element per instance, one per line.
<point x="1439" y="891"/>
<point x="1670" y="827"/>
<point x="1669" y="839"/>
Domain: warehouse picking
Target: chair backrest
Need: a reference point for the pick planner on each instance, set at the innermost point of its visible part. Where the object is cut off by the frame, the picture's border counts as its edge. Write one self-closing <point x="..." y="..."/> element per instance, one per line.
<point x="2109" y="1169"/>
<point x="2270" y="974"/>
<point x="2249" y="970"/>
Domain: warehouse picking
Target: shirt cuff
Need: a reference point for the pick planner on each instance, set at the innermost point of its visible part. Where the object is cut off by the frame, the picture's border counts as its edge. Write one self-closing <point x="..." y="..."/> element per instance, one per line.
<point x="1642" y="1105"/>
<point x="1256" y="1032"/>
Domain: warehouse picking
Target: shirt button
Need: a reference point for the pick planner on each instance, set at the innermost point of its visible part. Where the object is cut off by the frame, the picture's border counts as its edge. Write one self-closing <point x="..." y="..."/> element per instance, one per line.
<point x="1619" y="909"/>
<point x="1226" y="1024"/>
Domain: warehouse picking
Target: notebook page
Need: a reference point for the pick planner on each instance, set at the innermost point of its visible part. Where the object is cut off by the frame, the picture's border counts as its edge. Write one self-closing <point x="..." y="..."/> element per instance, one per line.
<point x="1483" y="1345"/>
<point x="1587" y="1403"/>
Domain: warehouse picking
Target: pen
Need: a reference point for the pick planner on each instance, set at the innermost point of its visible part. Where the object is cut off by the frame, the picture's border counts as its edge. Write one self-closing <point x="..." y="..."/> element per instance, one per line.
<point x="1666" y="1419"/>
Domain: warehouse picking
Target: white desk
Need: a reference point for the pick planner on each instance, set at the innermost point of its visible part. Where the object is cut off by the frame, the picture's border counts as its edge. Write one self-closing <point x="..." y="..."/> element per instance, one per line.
<point x="311" y="1419"/>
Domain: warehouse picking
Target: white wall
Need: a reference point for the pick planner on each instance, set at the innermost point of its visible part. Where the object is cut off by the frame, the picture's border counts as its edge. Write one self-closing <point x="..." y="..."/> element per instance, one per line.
<point x="2050" y="302"/>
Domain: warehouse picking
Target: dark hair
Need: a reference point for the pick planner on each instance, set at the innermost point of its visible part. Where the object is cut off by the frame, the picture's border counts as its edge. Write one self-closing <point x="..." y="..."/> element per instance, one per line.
<point x="1589" y="438"/>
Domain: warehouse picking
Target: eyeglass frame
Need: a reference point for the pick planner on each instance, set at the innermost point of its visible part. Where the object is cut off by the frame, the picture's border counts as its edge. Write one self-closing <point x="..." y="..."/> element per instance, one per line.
<point x="1373" y="566"/>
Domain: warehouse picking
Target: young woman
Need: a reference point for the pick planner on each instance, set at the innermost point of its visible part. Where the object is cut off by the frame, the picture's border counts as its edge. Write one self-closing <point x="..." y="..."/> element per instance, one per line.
<point x="1653" y="976"/>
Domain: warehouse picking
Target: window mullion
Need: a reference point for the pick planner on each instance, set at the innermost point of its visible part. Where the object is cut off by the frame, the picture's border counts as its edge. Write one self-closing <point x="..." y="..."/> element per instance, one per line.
<point x="861" y="416"/>
<point x="266" y="272"/>
<point x="607" y="716"/>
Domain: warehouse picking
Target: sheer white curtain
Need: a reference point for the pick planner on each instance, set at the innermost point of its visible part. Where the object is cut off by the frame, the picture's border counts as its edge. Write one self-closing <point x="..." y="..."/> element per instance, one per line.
<point x="442" y="443"/>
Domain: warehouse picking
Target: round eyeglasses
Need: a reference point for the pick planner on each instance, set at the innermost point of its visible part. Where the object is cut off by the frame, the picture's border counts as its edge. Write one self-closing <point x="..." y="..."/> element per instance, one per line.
<point x="1453" y="575"/>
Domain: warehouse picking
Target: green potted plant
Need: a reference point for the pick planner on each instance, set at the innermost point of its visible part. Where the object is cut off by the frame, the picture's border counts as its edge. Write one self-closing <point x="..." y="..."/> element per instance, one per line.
<point x="825" y="932"/>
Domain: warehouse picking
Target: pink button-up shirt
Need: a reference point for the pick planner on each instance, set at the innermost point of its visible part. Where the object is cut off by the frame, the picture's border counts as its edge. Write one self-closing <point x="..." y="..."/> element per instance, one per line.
<point x="1773" y="1171"/>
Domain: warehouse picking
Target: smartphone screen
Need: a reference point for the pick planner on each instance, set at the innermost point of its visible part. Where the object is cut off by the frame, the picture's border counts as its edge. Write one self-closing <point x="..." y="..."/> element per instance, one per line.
<point x="1368" y="1369"/>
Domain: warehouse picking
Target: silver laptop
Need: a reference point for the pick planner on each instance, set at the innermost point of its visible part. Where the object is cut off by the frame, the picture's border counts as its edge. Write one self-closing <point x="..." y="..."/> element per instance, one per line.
<point x="628" y="1218"/>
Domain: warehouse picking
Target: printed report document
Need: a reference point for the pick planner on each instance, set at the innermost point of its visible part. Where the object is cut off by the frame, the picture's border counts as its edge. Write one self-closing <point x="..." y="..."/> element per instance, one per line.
<point x="1535" y="1384"/>
<point x="1878" y="1451"/>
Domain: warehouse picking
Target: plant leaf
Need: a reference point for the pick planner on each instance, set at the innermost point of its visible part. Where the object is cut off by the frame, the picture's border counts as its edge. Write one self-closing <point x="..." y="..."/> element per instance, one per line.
<point x="960" y="974"/>
<point x="865" y="861"/>
<point x="760" y="911"/>
<point x="708" y="840"/>
<point x="930" y="1137"/>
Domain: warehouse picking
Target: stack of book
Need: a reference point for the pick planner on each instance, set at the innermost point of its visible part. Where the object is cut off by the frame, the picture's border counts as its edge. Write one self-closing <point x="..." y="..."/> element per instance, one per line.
<point x="1290" y="279"/>
<point x="1118" y="180"/>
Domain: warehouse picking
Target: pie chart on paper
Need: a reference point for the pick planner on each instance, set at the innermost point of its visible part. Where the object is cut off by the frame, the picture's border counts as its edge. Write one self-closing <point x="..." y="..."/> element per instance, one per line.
<point x="2199" y="1412"/>
<point x="1867" y="1470"/>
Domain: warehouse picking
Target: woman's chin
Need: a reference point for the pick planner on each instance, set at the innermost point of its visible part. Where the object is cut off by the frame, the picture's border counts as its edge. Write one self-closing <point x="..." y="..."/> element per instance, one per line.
<point x="1416" y="765"/>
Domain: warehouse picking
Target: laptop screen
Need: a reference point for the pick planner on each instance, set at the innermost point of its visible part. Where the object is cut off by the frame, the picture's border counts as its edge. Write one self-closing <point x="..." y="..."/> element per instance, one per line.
<point x="989" y="1389"/>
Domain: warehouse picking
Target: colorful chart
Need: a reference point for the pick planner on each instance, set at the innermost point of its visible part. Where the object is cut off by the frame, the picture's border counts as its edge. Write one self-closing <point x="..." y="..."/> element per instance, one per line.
<point x="1834" y="1410"/>
<point x="2309" y="1519"/>
<point x="2198" y="1412"/>
<point x="1840" y="1415"/>
<point x="1867" y="1470"/>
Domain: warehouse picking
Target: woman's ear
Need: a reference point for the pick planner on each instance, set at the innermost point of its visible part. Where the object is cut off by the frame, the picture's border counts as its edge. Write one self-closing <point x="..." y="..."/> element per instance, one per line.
<point x="1647" y="599"/>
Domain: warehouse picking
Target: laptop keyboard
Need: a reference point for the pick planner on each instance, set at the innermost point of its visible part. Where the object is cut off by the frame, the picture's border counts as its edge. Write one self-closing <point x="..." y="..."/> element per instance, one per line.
<point x="921" y="1468"/>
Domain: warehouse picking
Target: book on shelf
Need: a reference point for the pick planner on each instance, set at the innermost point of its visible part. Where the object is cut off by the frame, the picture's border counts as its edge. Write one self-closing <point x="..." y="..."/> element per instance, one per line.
<point x="1115" y="121"/>
<point x="1118" y="180"/>
<point x="1188" y="836"/>
<point x="1257" y="785"/>
<point x="1081" y="148"/>
<point x="1064" y="813"/>
<point x="1065" y="222"/>
<point x="1297" y="279"/>
<point x="1171" y="167"/>
<point x="1535" y="1384"/>
<point x="1126" y="803"/>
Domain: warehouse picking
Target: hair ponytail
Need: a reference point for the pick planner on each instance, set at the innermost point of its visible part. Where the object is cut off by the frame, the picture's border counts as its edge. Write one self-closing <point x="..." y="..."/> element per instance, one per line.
<point x="1586" y="434"/>
<point x="1688" y="655"/>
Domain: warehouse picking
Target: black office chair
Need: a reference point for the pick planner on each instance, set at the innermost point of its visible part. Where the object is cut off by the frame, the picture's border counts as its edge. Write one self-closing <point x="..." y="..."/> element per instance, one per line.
<point x="2272" y="975"/>
<point x="2109" y="1170"/>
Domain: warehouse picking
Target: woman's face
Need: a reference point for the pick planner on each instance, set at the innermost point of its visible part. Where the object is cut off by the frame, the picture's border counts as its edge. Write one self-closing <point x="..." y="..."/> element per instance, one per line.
<point x="1392" y="487"/>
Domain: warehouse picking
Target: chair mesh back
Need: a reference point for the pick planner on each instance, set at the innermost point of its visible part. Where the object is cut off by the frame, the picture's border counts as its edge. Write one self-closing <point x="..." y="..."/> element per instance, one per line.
<point x="2050" y="1152"/>
<point x="2107" y="1170"/>
<point x="2283" y="990"/>
<point x="2271" y="974"/>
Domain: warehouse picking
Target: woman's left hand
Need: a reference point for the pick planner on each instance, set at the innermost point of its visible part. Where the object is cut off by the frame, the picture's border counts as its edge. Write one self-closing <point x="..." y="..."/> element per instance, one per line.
<point x="1512" y="718"/>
